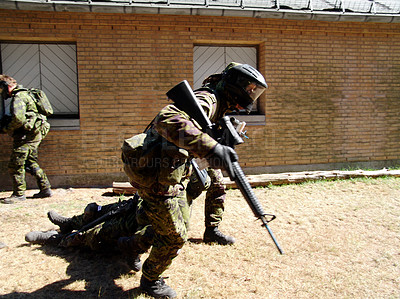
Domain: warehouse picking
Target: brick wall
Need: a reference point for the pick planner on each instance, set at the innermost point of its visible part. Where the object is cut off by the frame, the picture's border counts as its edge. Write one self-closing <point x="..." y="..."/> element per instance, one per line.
<point x="334" y="95"/>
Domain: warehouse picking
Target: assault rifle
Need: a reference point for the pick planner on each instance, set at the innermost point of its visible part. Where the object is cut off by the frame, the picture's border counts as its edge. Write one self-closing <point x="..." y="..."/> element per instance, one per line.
<point x="184" y="99"/>
<point x="123" y="206"/>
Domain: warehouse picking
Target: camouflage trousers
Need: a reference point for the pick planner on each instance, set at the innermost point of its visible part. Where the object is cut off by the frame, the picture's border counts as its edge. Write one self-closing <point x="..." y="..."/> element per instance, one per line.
<point x="169" y="214"/>
<point x="105" y="234"/>
<point x="215" y="197"/>
<point x="214" y="206"/>
<point x="24" y="158"/>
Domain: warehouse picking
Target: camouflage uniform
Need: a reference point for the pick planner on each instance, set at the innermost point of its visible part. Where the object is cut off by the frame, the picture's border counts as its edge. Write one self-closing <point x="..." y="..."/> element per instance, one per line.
<point x="27" y="128"/>
<point x="215" y="199"/>
<point x="105" y="233"/>
<point x="164" y="198"/>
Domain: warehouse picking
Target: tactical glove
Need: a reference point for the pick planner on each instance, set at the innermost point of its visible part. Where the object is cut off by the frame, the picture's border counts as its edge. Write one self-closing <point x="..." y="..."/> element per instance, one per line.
<point x="222" y="157"/>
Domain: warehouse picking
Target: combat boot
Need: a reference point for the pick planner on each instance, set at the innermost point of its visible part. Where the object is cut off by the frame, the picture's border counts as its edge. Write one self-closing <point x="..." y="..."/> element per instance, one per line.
<point x="157" y="288"/>
<point x="213" y="235"/>
<point x="132" y="254"/>
<point x="13" y="199"/>
<point x="43" y="193"/>
<point x="64" y="223"/>
<point x="45" y="238"/>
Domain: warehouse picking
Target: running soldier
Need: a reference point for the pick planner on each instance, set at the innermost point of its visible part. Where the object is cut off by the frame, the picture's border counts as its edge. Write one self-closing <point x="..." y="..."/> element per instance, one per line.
<point x="161" y="171"/>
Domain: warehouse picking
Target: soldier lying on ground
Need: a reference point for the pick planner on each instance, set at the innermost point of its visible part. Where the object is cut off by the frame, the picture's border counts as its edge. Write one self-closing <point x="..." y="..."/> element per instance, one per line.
<point x="116" y="231"/>
<point x="101" y="236"/>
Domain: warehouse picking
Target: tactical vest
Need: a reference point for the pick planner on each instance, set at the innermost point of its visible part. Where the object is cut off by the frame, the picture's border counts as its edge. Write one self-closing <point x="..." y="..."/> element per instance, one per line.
<point x="149" y="158"/>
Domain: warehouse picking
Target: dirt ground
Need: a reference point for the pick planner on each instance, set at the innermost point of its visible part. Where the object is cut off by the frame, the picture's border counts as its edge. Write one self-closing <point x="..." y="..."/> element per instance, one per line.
<point x="341" y="240"/>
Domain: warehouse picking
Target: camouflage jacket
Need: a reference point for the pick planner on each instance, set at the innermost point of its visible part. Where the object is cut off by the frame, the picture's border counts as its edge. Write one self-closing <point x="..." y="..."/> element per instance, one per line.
<point x="176" y="127"/>
<point x="158" y="161"/>
<point x="25" y="119"/>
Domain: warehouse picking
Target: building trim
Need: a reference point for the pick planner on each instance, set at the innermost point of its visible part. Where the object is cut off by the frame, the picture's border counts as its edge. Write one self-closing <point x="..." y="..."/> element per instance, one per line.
<point x="205" y="9"/>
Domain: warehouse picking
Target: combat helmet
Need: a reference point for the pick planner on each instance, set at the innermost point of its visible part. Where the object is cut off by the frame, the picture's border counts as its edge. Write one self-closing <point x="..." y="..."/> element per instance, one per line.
<point x="242" y="84"/>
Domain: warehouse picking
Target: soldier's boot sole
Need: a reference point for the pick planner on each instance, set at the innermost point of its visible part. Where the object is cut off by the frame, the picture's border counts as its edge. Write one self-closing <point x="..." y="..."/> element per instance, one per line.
<point x="157" y="288"/>
<point x="214" y="235"/>
<point x="38" y="237"/>
<point x="64" y="223"/>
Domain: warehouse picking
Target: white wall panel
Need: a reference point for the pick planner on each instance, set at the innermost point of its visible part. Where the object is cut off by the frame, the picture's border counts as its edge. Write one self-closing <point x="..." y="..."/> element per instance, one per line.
<point x="209" y="60"/>
<point x="51" y="67"/>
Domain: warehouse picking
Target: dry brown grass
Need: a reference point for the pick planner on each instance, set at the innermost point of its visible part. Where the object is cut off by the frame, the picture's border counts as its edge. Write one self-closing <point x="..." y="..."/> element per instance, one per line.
<point x="341" y="240"/>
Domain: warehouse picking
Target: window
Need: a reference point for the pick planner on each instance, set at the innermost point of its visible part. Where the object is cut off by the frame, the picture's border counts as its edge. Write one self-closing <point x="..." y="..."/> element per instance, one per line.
<point x="209" y="60"/>
<point x="50" y="67"/>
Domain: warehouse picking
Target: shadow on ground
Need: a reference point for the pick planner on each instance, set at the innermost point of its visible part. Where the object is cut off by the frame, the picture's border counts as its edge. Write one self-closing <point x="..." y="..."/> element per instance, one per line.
<point x="97" y="270"/>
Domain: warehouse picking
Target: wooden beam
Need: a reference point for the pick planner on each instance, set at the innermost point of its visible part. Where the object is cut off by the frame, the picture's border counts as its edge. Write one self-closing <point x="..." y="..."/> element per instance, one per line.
<point x="263" y="180"/>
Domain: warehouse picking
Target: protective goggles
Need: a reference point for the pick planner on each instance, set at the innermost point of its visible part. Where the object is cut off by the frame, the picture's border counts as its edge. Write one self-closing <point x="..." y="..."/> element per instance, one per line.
<point x="253" y="89"/>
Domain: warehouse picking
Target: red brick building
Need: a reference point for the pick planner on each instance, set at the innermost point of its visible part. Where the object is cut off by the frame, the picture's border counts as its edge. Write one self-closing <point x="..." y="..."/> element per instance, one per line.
<point x="334" y="79"/>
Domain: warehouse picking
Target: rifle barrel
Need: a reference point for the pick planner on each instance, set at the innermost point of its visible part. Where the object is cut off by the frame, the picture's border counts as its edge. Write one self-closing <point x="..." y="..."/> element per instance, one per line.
<point x="265" y="223"/>
<point x="248" y="193"/>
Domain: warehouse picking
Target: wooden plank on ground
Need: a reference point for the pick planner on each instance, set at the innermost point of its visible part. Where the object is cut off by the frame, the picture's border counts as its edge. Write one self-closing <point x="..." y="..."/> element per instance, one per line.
<point x="262" y="180"/>
<point x="123" y="188"/>
<point x="300" y="177"/>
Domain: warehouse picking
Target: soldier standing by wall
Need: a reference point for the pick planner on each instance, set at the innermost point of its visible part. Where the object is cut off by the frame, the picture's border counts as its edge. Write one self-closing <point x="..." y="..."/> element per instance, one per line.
<point x="27" y="127"/>
<point x="161" y="172"/>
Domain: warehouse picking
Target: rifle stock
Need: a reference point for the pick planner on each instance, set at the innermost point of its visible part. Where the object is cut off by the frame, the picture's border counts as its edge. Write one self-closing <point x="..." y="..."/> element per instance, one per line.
<point x="185" y="100"/>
